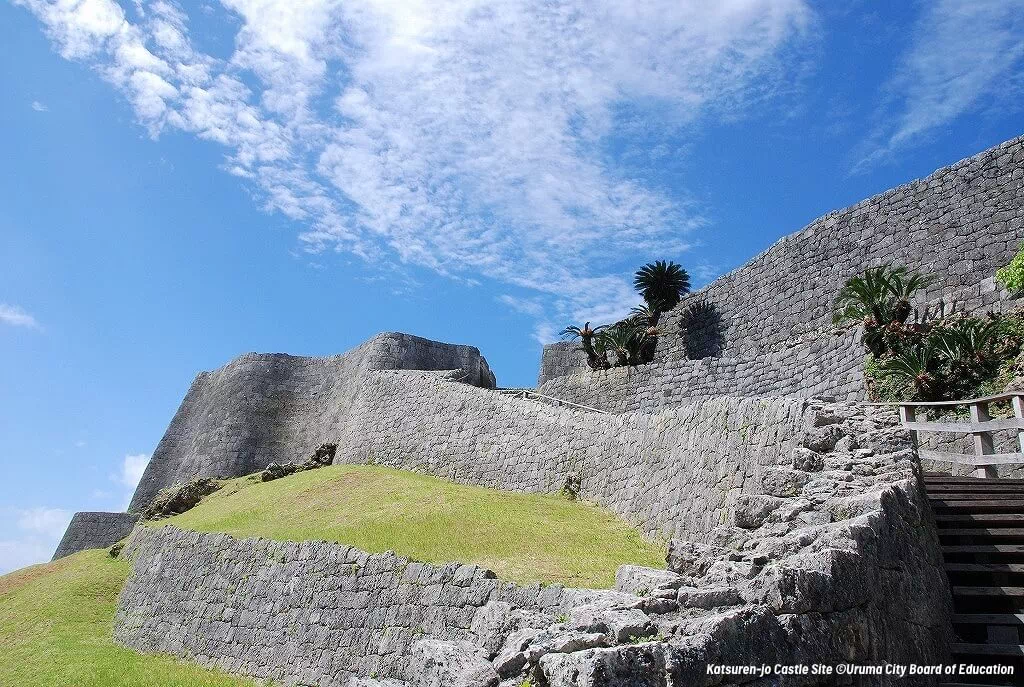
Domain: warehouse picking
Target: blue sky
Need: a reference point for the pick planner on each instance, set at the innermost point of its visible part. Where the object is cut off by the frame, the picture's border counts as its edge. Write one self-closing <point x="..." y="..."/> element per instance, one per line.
<point x="185" y="182"/>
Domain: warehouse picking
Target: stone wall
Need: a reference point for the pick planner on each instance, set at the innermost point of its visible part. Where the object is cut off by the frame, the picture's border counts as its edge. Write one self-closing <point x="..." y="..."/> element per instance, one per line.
<point x="297" y="612"/>
<point x="671" y="472"/>
<point x="774" y="332"/>
<point x="261" y="408"/>
<point x="94" y="531"/>
<point x="832" y="558"/>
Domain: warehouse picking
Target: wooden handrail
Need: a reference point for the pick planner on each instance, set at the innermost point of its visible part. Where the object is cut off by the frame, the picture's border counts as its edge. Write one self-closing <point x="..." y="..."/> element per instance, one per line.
<point x="980" y="427"/>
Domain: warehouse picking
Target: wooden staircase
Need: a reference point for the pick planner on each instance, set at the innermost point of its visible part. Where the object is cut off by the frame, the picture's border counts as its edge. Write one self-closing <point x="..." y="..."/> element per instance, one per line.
<point x="981" y="530"/>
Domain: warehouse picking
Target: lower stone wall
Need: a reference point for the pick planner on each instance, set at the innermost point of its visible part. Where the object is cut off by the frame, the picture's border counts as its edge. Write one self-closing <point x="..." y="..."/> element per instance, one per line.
<point x="312" y="613"/>
<point x="94" y="531"/>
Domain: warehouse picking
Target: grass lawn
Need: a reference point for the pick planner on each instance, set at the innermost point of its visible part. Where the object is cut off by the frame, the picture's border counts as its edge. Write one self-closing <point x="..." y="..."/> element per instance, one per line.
<point x="55" y="631"/>
<point x="522" y="537"/>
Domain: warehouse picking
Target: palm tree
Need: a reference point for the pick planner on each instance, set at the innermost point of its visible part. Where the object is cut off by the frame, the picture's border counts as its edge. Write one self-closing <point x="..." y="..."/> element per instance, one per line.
<point x="662" y="284"/>
<point x="878" y="296"/>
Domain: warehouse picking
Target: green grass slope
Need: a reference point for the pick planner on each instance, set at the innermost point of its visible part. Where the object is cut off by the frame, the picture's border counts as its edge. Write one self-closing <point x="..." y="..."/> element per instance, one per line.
<point x="56" y="619"/>
<point x="522" y="537"/>
<point x="55" y="631"/>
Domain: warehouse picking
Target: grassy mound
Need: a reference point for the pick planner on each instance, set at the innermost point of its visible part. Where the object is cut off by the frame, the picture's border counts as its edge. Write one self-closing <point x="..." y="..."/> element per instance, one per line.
<point x="55" y="631"/>
<point x="522" y="537"/>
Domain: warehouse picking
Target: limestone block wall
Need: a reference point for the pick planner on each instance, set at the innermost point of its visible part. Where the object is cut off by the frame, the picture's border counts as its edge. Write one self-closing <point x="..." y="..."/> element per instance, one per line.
<point x="94" y="531"/>
<point x="261" y="408"/>
<point x="834" y="558"/>
<point x="673" y="473"/>
<point x="298" y="612"/>
<point x="773" y="314"/>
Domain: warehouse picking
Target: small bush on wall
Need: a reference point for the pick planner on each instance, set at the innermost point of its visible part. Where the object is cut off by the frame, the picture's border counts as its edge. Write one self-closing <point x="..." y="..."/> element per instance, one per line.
<point x="1012" y="276"/>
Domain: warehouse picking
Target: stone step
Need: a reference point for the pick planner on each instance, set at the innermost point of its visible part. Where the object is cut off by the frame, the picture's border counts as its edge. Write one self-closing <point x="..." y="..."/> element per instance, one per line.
<point x="966" y="649"/>
<point x="985" y="567"/>
<point x="976" y="496"/>
<point x="988" y="618"/>
<point x="981" y="485"/>
<point x="935" y="478"/>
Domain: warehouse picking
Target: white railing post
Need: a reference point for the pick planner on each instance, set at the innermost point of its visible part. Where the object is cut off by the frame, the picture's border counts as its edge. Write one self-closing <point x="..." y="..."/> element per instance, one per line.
<point x="983" y="445"/>
<point x="1018" y="412"/>
<point x="908" y="413"/>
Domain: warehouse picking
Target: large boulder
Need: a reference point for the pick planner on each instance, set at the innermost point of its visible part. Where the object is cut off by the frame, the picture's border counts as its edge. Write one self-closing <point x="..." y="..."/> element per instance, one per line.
<point x="437" y="663"/>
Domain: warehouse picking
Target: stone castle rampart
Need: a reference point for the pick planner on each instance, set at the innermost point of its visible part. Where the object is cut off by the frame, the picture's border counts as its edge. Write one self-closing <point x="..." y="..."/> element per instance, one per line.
<point x="769" y="328"/>
<point x="261" y="408"/>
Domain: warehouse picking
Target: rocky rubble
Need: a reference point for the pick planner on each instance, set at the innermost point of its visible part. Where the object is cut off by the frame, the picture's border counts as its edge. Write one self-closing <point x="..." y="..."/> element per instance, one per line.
<point x="179" y="498"/>
<point x="322" y="457"/>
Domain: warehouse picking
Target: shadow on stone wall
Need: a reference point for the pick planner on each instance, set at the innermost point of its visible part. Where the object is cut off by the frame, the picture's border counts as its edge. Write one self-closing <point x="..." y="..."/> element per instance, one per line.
<point x="702" y="330"/>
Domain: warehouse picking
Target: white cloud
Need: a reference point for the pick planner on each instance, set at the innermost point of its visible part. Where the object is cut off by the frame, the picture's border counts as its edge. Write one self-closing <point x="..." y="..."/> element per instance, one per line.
<point x="36" y="533"/>
<point x="16" y="317"/>
<point x="39" y="107"/>
<point x="131" y="470"/>
<point x="465" y="137"/>
<point x="132" y="467"/>
<point x="47" y="521"/>
<point x="962" y="57"/>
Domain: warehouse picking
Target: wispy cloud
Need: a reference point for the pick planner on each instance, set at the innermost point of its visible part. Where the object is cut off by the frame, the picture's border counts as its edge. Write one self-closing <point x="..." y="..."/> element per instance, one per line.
<point x="16" y="317"/>
<point x="32" y="535"/>
<point x="962" y="56"/>
<point x="40" y="107"/>
<point x="465" y="137"/>
<point x="128" y="476"/>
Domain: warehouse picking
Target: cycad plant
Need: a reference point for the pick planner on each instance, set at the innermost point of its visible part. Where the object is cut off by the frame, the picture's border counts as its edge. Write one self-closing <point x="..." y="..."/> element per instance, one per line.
<point x="586" y="336"/>
<point x="616" y="340"/>
<point x="916" y="367"/>
<point x="662" y="284"/>
<point x="879" y="298"/>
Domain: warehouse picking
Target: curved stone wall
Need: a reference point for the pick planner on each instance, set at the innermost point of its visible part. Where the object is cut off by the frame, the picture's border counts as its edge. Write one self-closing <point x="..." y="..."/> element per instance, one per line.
<point x="94" y="531"/>
<point x="772" y="316"/>
<point x="833" y="558"/>
<point x="261" y="408"/>
<point x="673" y="473"/>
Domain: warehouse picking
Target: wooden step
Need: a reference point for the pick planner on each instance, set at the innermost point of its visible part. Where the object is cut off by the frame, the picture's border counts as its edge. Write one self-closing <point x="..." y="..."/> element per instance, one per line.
<point x="984" y="532"/>
<point x="976" y="496"/>
<point x="983" y="548"/>
<point x="966" y="649"/>
<point x="931" y="478"/>
<point x="987" y="485"/>
<point x="979" y="506"/>
<point x="970" y="590"/>
<point x="971" y="518"/>
<point x="984" y="567"/>
<point x="988" y="618"/>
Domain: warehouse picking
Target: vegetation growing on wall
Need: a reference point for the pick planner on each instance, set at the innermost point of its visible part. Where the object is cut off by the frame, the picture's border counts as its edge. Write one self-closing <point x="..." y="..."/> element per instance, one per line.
<point x="937" y="356"/>
<point x="1012" y="275"/>
<point x="632" y="341"/>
